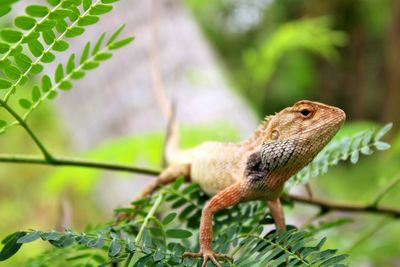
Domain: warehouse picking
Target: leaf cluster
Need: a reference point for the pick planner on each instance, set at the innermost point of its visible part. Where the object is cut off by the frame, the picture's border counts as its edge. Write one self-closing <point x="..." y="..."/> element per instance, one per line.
<point x="348" y="147"/>
<point x="37" y="37"/>
<point x="159" y="239"/>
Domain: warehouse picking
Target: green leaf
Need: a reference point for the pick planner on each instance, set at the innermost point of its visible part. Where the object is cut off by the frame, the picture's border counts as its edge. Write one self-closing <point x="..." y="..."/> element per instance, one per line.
<point x="121" y="43"/>
<point x="11" y="246"/>
<point x="36" y="93"/>
<point x="88" y="20"/>
<point x="4" y="48"/>
<point x="96" y="243"/>
<point x="332" y="261"/>
<point x="70" y="64"/>
<point x="158" y="256"/>
<point x="115" y="248"/>
<point x="60" y="46"/>
<point x="65" y="85"/>
<point x="52" y="95"/>
<point x="61" y="13"/>
<point x="36" y="68"/>
<point x="178" y="182"/>
<point x="31" y="36"/>
<point x="86" y="4"/>
<point x="46" y="83"/>
<point x="4" y="10"/>
<point x="36" y="48"/>
<point x="46" y="25"/>
<point x="178" y="233"/>
<point x="89" y="65"/>
<point x="366" y="150"/>
<point x="4" y="63"/>
<point x="11" y="36"/>
<point x="109" y="1"/>
<point x="29" y="237"/>
<point x="4" y="84"/>
<point x="97" y="46"/>
<point x="25" y="103"/>
<point x="48" y="57"/>
<point x="48" y="37"/>
<point x="383" y="131"/>
<point x="71" y="3"/>
<point x="115" y="34"/>
<point x="100" y="9"/>
<point x="102" y="56"/>
<point x="52" y="235"/>
<point x="64" y="241"/>
<point x="75" y="14"/>
<point x="12" y="72"/>
<point x="382" y="145"/>
<point x="23" y="61"/>
<point x="85" y="53"/>
<point x="61" y="25"/>
<point x="169" y="218"/>
<point x="37" y="10"/>
<point x="76" y="75"/>
<point x="74" y="31"/>
<point x="53" y="2"/>
<point x="25" y="22"/>
<point x="59" y="73"/>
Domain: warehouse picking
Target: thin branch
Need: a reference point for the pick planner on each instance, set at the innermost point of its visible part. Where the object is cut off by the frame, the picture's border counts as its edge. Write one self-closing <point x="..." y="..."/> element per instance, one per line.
<point x="385" y="190"/>
<point x="42" y="148"/>
<point x="75" y="162"/>
<point x="324" y="205"/>
<point x="327" y="206"/>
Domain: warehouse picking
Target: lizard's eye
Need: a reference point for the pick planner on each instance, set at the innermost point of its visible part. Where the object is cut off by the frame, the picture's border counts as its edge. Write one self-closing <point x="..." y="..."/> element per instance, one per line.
<point x="305" y="112"/>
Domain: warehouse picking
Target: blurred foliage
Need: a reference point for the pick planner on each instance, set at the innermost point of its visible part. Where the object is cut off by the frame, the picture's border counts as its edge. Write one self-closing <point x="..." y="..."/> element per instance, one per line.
<point x="276" y="52"/>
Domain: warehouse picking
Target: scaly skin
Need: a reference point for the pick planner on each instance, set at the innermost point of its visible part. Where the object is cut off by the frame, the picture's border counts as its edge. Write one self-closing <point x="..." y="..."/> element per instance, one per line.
<point x="255" y="169"/>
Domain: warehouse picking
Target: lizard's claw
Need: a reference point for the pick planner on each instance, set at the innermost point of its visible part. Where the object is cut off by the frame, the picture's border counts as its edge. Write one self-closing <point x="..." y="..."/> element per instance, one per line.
<point x="208" y="255"/>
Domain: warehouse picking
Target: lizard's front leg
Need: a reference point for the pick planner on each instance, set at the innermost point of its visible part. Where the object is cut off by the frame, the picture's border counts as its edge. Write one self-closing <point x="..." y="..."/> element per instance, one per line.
<point x="277" y="213"/>
<point x="224" y="199"/>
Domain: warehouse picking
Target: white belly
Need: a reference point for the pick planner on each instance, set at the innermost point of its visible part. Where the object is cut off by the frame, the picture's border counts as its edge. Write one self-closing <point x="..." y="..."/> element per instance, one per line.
<point x="215" y="166"/>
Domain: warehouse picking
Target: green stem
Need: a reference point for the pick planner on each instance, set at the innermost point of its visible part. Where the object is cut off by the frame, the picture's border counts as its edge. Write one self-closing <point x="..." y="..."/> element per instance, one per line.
<point x="151" y="213"/>
<point x="385" y="190"/>
<point x="42" y="148"/>
<point x="77" y="162"/>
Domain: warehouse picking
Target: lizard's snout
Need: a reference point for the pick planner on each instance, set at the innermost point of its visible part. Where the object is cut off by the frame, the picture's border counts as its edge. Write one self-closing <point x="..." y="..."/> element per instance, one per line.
<point x="340" y="115"/>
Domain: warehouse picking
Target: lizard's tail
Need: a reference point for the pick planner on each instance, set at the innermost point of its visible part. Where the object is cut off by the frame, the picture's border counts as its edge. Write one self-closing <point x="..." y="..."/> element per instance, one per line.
<point x="171" y="142"/>
<point x="167" y="107"/>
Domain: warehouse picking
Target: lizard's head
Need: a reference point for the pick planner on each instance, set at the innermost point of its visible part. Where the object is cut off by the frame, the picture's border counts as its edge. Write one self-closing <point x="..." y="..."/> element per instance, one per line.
<point x="293" y="137"/>
<point x="306" y="120"/>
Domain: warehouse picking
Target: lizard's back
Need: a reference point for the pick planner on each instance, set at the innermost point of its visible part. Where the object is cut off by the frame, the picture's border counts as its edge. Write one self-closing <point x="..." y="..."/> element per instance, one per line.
<point x="215" y="165"/>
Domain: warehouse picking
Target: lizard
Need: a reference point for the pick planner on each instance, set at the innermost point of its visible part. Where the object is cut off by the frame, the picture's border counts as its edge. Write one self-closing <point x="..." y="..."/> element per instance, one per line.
<point x="254" y="169"/>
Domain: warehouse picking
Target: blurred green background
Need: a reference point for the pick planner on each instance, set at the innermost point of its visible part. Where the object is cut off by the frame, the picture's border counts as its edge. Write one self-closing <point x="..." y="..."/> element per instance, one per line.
<point x="345" y="53"/>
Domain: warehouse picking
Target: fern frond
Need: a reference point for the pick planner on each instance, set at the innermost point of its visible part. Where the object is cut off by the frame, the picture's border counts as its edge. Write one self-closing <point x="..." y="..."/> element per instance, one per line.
<point x="16" y="65"/>
<point x="42" y="51"/>
<point x="153" y="241"/>
<point x="363" y="142"/>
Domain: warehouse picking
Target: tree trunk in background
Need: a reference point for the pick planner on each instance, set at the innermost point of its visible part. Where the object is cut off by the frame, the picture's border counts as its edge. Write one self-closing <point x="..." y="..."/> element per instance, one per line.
<point x="117" y="99"/>
<point x="392" y="70"/>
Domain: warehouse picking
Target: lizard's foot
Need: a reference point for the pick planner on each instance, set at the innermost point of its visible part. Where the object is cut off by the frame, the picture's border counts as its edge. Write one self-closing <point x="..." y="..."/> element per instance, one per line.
<point x="208" y="255"/>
